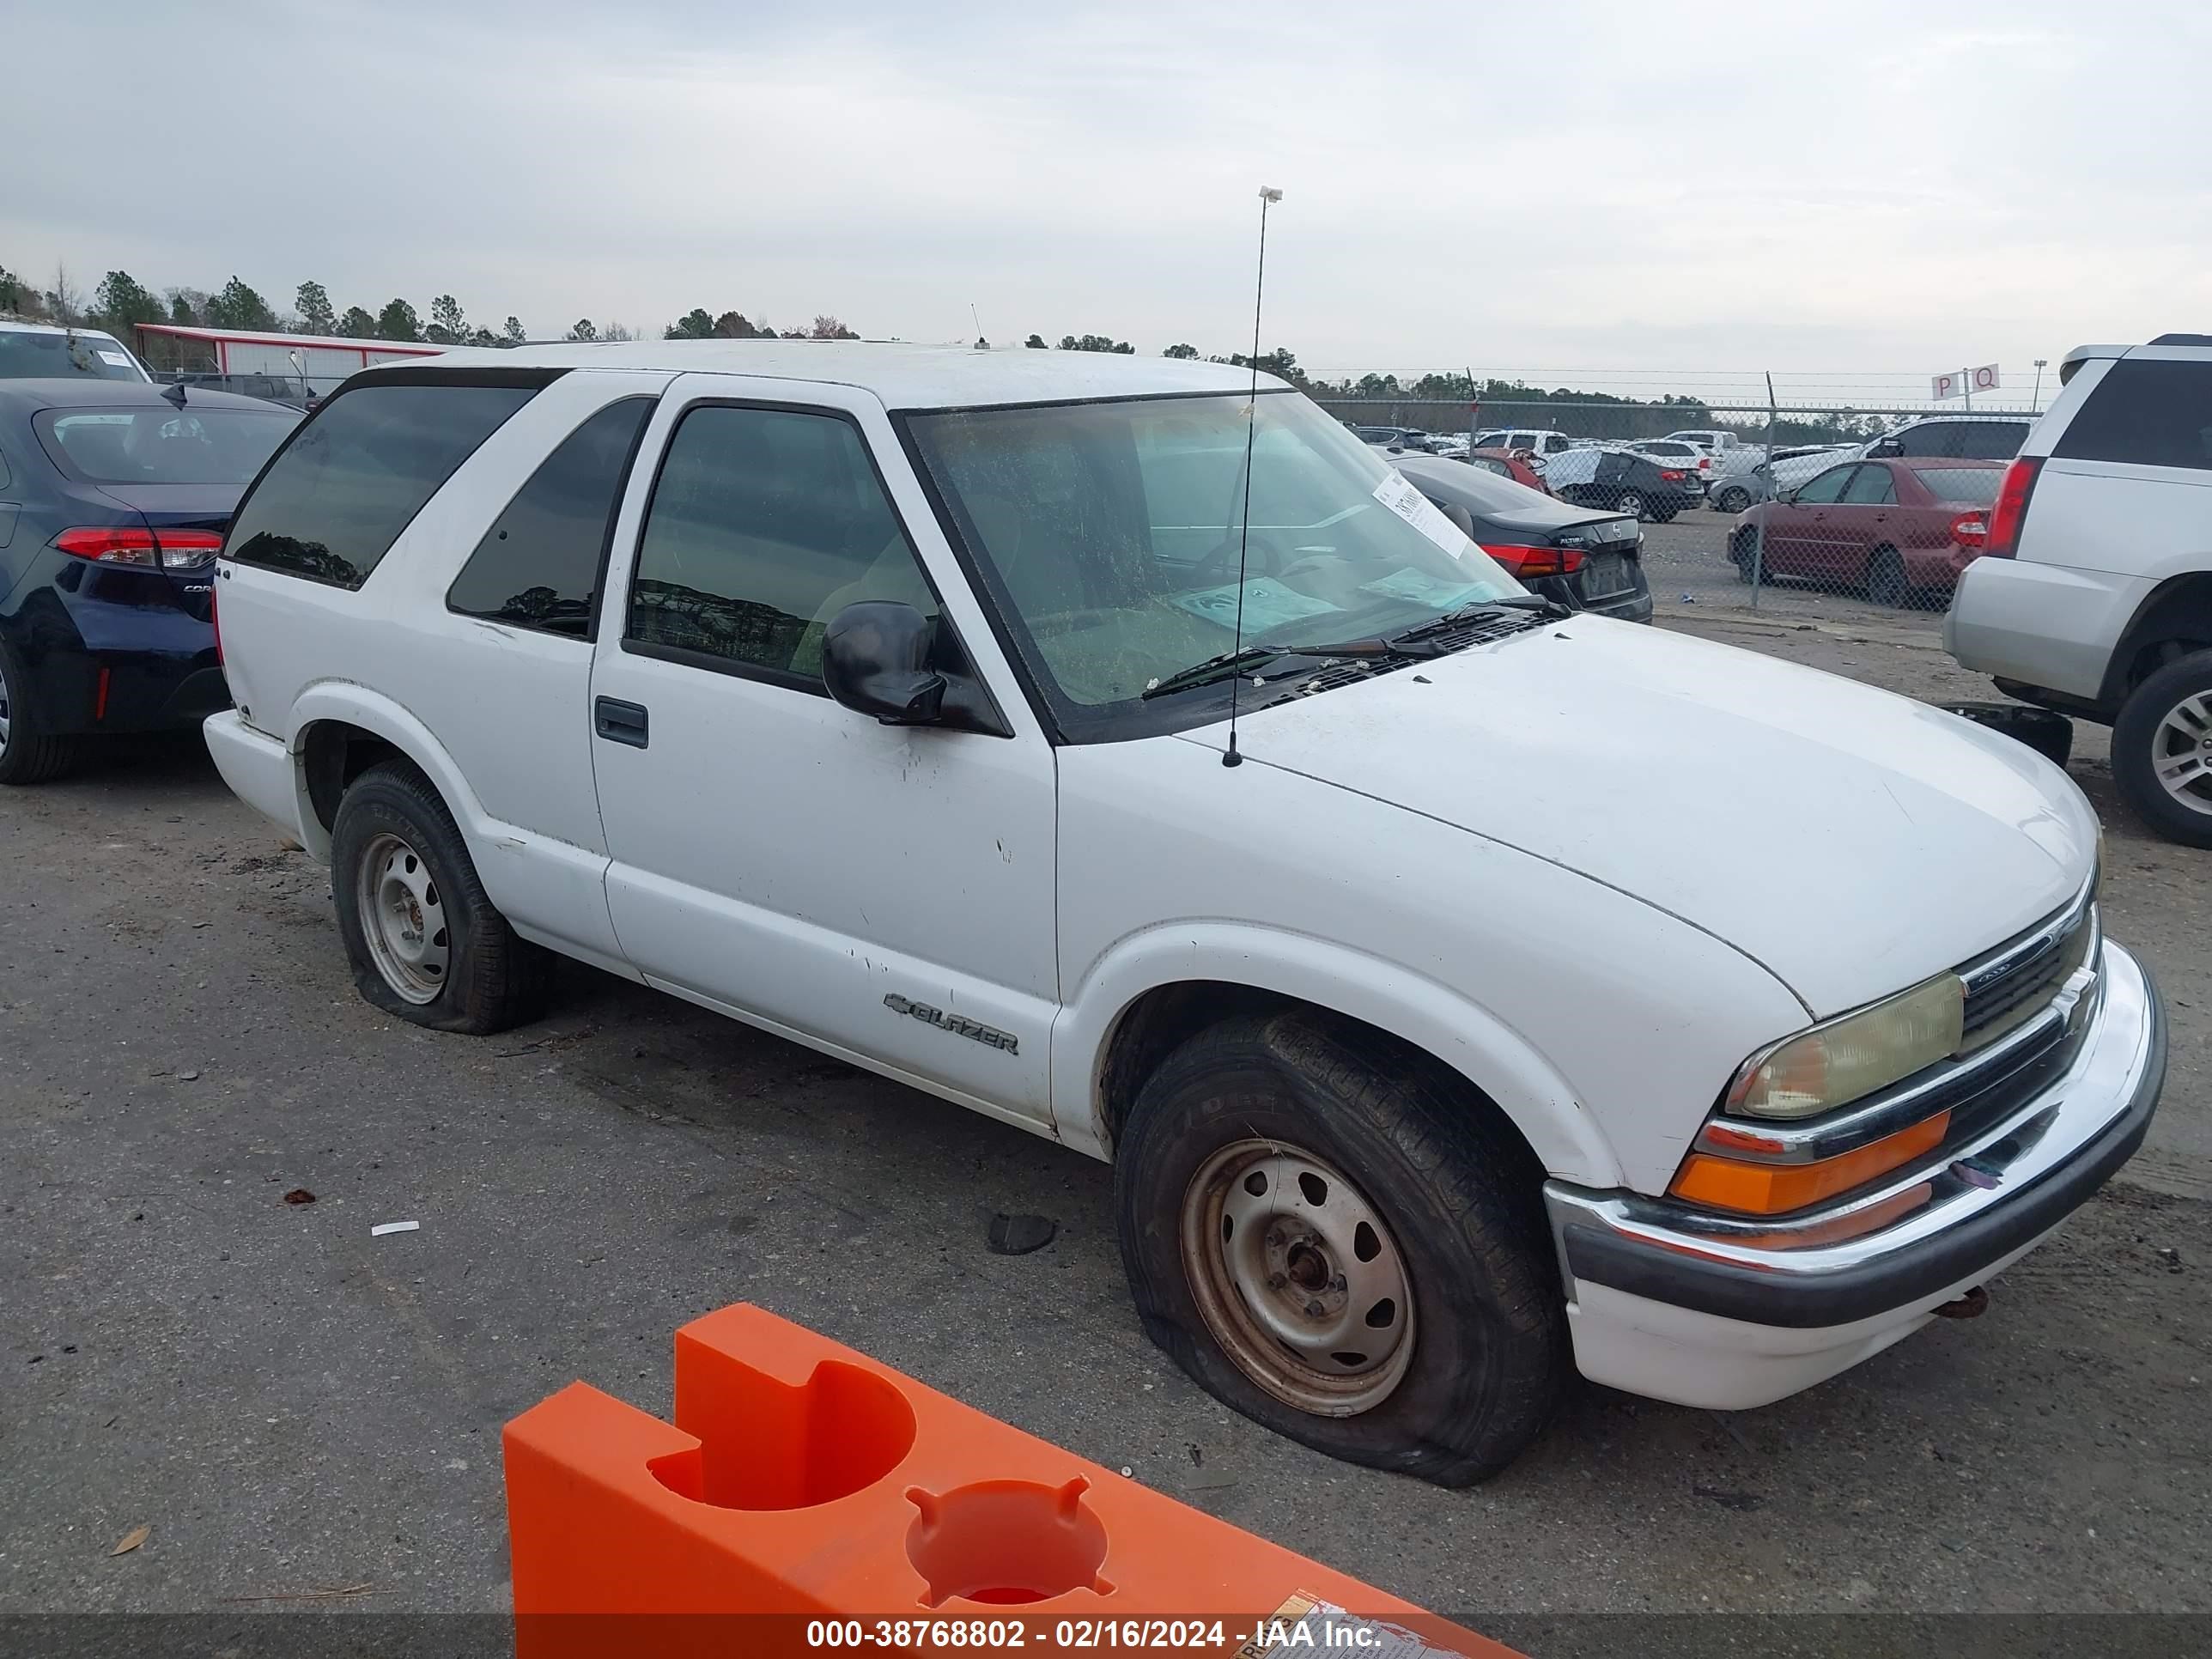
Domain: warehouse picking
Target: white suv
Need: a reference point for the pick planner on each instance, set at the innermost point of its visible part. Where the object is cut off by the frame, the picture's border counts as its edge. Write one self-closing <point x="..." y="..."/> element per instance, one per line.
<point x="2093" y="593"/>
<point x="1398" y="941"/>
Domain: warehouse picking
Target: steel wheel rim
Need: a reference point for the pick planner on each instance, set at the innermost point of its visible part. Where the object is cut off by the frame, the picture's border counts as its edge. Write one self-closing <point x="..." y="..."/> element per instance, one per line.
<point x="2181" y="752"/>
<point x="1298" y="1277"/>
<point x="403" y="917"/>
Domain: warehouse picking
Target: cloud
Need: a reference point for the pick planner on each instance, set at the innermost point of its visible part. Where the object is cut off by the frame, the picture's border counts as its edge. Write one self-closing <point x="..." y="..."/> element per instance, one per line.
<point x="1564" y="187"/>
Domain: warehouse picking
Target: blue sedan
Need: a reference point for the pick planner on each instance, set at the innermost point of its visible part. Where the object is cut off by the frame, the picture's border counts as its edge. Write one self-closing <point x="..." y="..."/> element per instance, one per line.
<point x="114" y="495"/>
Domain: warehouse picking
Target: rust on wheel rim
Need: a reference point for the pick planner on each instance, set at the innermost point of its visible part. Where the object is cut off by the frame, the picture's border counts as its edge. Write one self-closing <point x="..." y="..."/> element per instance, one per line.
<point x="1298" y="1277"/>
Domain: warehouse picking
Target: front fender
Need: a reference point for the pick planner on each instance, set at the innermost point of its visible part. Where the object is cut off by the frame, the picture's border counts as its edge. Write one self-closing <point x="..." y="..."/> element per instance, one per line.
<point x="1432" y="1016"/>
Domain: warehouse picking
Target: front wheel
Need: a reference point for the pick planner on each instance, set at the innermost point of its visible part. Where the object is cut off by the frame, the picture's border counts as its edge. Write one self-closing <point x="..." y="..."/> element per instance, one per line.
<point x="426" y="943"/>
<point x="1333" y="1240"/>
<point x="2162" y="750"/>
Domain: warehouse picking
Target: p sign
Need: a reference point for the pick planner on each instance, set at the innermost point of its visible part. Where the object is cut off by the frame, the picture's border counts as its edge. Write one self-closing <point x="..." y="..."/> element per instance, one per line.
<point x="1940" y="387"/>
<point x="1985" y="378"/>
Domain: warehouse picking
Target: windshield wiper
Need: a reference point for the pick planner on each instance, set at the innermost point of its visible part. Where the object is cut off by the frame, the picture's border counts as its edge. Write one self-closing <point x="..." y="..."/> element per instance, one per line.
<point x="1236" y="662"/>
<point x="1450" y="619"/>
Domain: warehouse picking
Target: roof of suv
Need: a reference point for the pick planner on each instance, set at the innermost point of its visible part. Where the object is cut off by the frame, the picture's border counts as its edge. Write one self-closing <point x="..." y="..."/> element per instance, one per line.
<point x="904" y="376"/>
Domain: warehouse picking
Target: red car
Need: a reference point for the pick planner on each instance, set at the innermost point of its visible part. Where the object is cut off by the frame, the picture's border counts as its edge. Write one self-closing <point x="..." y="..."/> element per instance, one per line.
<point x="1901" y="529"/>
<point x="1514" y="464"/>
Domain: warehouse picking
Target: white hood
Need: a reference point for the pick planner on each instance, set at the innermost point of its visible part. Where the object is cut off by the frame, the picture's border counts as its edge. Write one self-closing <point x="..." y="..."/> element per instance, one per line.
<point x="1850" y="840"/>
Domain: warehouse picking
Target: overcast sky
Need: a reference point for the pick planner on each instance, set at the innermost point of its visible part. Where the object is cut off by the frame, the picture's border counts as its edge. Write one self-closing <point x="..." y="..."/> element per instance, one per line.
<point x="1852" y="195"/>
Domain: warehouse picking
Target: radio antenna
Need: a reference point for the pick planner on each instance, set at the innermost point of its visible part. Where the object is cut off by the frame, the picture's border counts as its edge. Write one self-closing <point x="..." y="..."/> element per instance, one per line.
<point x="1268" y="196"/>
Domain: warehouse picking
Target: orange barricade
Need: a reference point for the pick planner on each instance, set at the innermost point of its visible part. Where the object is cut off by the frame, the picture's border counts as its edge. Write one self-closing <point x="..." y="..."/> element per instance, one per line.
<point x="808" y="1499"/>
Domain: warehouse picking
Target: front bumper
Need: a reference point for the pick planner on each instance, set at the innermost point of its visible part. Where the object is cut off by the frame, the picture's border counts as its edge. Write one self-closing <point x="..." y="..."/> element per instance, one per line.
<point x="1726" y="1311"/>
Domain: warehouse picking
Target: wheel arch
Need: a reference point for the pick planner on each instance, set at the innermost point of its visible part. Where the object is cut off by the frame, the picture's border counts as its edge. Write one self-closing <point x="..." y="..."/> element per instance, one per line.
<point x="2174" y="619"/>
<point x="342" y="730"/>
<point x="1160" y="990"/>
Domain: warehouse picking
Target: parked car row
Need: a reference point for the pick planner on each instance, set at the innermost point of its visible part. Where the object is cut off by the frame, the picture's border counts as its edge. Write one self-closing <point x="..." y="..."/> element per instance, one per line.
<point x="1147" y="763"/>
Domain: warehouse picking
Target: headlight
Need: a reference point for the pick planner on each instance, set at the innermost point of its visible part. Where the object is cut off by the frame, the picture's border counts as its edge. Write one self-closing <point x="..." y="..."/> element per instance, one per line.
<point x="1834" y="1064"/>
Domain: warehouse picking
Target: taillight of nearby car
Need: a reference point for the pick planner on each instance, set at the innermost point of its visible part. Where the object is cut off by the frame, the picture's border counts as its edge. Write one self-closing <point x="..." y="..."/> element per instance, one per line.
<point x="2001" y="539"/>
<point x="1529" y="562"/>
<point x="171" y="550"/>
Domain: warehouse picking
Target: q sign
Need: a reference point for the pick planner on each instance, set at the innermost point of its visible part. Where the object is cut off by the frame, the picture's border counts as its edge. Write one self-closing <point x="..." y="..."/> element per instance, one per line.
<point x="1985" y="377"/>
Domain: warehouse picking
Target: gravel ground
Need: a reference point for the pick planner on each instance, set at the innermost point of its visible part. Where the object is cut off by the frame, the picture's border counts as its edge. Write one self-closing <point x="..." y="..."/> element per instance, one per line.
<point x="288" y="1404"/>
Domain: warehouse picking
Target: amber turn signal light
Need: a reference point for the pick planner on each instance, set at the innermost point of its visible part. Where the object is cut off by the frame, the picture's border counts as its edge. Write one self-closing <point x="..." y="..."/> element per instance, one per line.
<point x="1729" y="1184"/>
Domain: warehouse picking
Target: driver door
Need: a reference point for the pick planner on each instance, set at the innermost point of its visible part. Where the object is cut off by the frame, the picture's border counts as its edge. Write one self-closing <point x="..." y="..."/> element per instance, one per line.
<point x="883" y="892"/>
<point x="1797" y="529"/>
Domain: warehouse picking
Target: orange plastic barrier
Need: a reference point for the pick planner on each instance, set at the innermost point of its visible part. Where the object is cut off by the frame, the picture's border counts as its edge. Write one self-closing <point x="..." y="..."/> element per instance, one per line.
<point x="808" y="1500"/>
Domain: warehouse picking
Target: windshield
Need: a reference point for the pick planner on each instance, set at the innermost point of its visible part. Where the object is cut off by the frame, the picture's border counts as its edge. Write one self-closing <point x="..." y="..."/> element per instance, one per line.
<point x="163" y="445"/>
<point x="1110" y="534"/>
<point x="39" y="354"/>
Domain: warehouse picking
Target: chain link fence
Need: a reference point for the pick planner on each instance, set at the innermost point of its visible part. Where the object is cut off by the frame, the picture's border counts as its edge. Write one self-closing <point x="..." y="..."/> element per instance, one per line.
<point x="1885" y="504"/>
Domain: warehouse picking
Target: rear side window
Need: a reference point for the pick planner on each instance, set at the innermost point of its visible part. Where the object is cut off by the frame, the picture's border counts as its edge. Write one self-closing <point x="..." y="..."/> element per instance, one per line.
<point x="1965" y="440"/>
<point x="334" y="500"/>
<point x="765" y="523"/>
<point x="540" y="563"/>
<point x="2149" y="413"/>
<point x="1870" y="486"/>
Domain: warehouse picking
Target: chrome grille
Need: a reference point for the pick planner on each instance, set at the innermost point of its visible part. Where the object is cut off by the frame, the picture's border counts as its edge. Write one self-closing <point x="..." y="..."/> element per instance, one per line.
<point x="2007" y="987"/>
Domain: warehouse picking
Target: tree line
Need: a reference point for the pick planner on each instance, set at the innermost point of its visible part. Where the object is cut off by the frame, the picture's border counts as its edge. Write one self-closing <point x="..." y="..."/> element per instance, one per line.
<point x="120" y="301"/>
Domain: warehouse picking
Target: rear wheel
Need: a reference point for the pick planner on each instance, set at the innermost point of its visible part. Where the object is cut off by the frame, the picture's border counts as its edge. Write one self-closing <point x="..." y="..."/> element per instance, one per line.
<point x="1886" y="582"/>
<point x="1732" y="499"/>
<point x="426" y="943"/>
<point x="1743" y="552"/>
<point x="2162" y="750"/>
<point x="1339" y="1244"/>
<point x="1631" y="503"/>
<point x="27" y="755"/>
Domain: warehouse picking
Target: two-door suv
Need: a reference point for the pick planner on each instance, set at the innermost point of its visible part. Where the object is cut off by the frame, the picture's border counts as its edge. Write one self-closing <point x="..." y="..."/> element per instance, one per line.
<point x="1507" y="990"/>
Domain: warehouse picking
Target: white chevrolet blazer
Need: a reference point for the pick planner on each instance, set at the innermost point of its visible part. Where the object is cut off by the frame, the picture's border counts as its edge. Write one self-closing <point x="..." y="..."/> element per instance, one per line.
<point x="1464" y="991"/>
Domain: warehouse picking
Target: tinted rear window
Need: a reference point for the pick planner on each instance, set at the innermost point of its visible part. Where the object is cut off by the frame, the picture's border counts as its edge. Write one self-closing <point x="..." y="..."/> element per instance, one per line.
<point x="2150" y="413"/>
<point x="34" y="354"/>
<point x="332" y="503"/>
<point x="163" y="444"/>
<point x="539" y="566"/>
<point x="1965" y="440"/>
<point x="1969" y="486"/>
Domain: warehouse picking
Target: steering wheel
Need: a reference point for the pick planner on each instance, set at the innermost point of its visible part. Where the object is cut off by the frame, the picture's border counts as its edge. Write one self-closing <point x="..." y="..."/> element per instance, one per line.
<point x="1259" y="558"/>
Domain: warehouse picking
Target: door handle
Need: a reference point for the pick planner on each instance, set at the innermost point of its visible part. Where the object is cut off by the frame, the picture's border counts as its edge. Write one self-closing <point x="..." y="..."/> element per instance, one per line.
<point x="618" y="722"/>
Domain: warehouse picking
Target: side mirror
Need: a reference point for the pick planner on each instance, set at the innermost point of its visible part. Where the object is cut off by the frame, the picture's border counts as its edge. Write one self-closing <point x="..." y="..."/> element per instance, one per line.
<point x="1787" y="498"/>
<point x="875" y="657"/>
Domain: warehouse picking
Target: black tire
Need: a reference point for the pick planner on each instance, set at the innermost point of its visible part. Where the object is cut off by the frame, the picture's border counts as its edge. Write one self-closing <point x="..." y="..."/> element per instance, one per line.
<point x="1885" y="581"/>
<point x="1664" y="515"/>
<point x="492" y="978"/>
<point x="1633" y="502"/>
<point x="1733" y="499"/>
<point x="1743" y="552"/>
<point x="1456" y="1190"/>
<point x="28" y="754"/>
<point x="2144" y="739"/>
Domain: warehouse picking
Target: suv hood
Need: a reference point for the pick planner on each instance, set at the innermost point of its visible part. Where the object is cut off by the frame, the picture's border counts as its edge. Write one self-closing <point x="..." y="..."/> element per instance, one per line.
<point x="1851" y="842"/>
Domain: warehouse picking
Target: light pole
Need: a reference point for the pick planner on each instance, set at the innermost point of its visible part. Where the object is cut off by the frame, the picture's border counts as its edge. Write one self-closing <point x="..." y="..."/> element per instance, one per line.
<point x="2036" y="402"/>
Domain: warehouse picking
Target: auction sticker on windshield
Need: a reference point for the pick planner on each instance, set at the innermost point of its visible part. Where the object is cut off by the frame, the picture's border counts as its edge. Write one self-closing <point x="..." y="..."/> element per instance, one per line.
<point x="1397" y="492"/>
